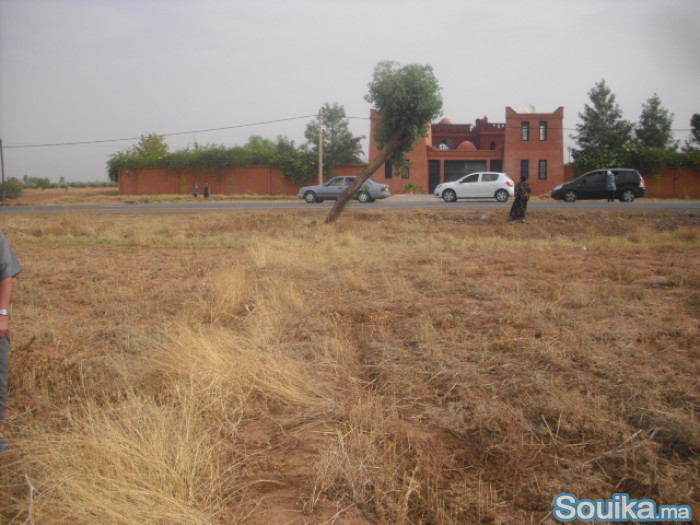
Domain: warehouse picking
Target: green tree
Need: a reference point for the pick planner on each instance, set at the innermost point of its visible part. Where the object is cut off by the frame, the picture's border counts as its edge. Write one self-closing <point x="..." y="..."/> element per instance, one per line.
<point x="13" y="188"/>
<point x="150" y="150"/>
<point x="654" y="127"/>
<point x="408" y="99"/>
<point x="151" y="146"/>
<point x="693" y="142"/>
<point x="340" y="147"/>
<point x="602" y="126"/>
<point x="284" y="145"/>
<point x="296" y="165"/>
<point x="260" y="150"/>
<point x="695" y="127"/>
<point x="43" y="183"/>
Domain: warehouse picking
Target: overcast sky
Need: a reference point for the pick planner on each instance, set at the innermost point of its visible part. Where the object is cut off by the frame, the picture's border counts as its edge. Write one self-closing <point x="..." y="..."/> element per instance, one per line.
<point x="101" y="70"/>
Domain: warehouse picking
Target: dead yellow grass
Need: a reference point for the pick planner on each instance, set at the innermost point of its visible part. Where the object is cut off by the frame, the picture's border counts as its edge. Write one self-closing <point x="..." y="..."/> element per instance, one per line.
<point x="424" y="367"/>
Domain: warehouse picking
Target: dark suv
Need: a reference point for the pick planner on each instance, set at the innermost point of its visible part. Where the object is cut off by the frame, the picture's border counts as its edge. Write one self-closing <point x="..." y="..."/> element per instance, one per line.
<point x="629" y="186"/>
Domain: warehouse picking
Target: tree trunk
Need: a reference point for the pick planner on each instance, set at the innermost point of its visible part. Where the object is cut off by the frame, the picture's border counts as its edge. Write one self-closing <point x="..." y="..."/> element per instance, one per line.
<point x="384" y="154"/>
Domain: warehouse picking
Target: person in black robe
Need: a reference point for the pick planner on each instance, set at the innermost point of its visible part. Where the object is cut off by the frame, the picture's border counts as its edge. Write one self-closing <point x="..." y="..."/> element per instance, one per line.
<point x="522" y="195"/>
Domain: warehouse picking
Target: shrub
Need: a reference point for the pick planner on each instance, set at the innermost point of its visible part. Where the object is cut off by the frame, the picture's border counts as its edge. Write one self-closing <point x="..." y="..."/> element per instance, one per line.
<point x="13" y="188"/>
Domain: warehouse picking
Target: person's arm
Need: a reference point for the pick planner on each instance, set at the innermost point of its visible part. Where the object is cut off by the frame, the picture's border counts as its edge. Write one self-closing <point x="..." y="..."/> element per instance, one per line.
<point x="5" y="298"/>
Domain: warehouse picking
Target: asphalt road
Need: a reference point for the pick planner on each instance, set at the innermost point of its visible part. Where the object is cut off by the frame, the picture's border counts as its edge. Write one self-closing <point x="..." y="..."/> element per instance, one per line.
<point x="399" y="202"/>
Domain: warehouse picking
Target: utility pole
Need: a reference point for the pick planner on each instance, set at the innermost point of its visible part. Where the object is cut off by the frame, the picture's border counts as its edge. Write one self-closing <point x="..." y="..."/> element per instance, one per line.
<point x="2" y="168"/>
<point x="320" y="146"/>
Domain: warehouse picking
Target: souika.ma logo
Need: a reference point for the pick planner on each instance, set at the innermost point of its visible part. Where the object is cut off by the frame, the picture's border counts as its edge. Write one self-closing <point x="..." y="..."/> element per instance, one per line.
<point x="620" y="507"/>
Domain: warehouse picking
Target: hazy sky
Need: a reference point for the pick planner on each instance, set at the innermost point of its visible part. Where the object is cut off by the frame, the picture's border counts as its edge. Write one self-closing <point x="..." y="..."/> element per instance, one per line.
<point x="101" y="70"/>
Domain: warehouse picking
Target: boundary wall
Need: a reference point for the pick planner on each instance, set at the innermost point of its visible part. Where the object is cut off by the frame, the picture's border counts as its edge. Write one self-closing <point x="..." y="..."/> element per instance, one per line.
<point x="253" y="180"/>
<point x="675" y="183"/>
<point x="679" y="183"/>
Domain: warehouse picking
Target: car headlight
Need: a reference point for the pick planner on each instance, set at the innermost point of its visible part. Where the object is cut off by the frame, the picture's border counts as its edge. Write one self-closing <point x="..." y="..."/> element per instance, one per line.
<point x="557" y="187"/>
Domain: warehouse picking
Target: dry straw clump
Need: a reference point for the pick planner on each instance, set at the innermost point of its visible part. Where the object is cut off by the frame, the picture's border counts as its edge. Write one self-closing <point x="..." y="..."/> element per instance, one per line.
<point x="423" y="367"/>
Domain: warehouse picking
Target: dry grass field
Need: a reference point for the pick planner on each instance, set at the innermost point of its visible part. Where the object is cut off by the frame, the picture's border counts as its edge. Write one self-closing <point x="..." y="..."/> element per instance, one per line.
<point x="396" y="368"/>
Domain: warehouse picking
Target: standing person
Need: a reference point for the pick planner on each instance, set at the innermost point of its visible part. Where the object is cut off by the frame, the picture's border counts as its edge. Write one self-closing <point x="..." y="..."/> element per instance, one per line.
<point x="9" y="268"/>
<point x="610" y="185"/>
<point x="522" y="195"/>
<point x="194" y="190"/>
<point x="206" y="191"/>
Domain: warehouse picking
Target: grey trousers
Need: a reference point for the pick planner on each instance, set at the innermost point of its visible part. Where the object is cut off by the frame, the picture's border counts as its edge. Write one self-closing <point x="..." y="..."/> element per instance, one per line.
<point x="4" y="374"/>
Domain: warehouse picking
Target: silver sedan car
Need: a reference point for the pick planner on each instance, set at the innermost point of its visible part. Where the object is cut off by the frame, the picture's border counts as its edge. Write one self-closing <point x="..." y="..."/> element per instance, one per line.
<point x="332" y="189"/>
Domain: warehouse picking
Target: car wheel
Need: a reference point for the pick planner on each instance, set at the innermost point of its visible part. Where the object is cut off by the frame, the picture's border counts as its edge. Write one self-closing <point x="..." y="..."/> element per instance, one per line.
<point x="627" y="196"/>
<point x="570" y="196"/>
<point x="363" y="196"/>
<point x="502" y="196"/>
<point x="310" y="197"/>
<point x="449" y="196"/>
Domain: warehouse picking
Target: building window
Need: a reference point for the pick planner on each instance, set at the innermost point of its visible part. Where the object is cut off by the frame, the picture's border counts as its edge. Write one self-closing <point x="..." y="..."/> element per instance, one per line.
<point x="526" y="131"/>
<point x="524" y="168"/>
<point x="387" y="169"/>
<point x="543" y="130"/>
<point x="407" y="173"/>
<point x="543" y="170"/>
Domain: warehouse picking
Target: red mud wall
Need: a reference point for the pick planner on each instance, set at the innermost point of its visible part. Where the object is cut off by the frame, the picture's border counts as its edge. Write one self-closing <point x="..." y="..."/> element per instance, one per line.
<point x="678" y="183"/>
<point x="253" y="180"/>
<point x="681" y="183"/>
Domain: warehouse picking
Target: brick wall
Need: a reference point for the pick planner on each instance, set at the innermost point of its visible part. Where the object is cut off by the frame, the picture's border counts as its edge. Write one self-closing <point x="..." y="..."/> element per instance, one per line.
<point x="253" y="180"/>
<point x="679" y="183"/>
<point x="535" y="150"/>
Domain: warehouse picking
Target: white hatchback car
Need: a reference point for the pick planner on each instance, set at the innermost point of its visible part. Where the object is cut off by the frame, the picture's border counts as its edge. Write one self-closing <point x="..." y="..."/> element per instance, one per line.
<point x="480" y="185"/>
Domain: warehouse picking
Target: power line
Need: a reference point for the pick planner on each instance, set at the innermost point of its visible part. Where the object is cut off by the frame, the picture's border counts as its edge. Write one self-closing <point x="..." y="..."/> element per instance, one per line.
<point x="209" y="130"/>
<point x="84" y="142"/>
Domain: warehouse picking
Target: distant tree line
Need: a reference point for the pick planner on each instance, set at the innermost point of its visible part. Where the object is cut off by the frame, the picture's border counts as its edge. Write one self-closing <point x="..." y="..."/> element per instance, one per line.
<point x="298" y="164"/>
<point x="14" y="186"/>
<point x="605" y="139"/>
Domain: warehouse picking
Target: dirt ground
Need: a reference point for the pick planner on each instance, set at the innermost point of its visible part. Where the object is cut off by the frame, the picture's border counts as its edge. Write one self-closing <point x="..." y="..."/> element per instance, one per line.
<point x="473" y="368"/>
<point x="47" y="197"/>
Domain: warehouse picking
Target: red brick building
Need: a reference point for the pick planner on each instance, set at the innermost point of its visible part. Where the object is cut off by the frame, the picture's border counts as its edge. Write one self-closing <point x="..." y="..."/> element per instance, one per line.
<point x="531" y="143"/>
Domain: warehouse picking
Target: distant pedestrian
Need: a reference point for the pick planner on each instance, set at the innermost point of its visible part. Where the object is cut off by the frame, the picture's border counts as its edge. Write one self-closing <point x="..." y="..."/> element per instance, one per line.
<point x="9" y="268"/>
<point x="610" y="185"/>
<point x="206" y="191"/>
<point x="522" y="195"/>
<point x="194" y="190"/>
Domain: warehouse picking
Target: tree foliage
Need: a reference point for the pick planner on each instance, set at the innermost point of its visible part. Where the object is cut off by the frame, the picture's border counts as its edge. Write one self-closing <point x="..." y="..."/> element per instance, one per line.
<point x="605" y="139"/>
<point x="43" y="183"/>
<point x="297" y="165"/>
<point x="13" y="188"/>
<point x="407" y="99"/>
<point x="152" y="152"/>
<point x="340" y="146"/>
<point x="602" y="125"/>
<point x="151" y="146"/>
<point x="654" y="127"/>
<point x="693" y="143"/>
<point x="648" y="161"/>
